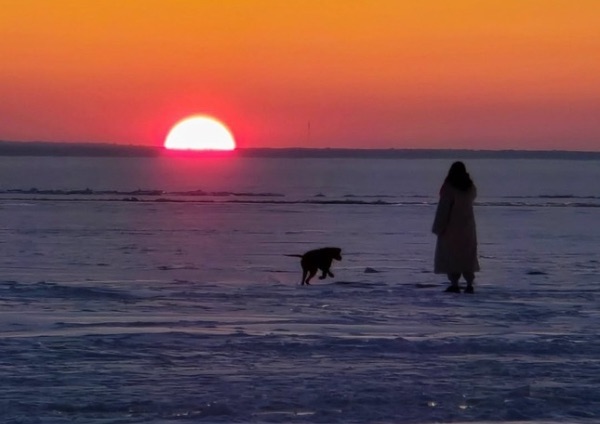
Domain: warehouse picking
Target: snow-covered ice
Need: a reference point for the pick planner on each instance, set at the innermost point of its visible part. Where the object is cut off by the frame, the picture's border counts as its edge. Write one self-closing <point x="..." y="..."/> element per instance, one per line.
<point x="155" y="293"/>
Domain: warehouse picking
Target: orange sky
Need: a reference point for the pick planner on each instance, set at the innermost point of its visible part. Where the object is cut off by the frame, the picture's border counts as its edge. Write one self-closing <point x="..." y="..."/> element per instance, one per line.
<point x="483" y="74"/>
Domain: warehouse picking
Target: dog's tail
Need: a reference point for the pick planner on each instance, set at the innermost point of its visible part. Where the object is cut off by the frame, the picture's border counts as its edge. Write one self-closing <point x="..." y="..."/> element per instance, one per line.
<point x="294" y="256"/>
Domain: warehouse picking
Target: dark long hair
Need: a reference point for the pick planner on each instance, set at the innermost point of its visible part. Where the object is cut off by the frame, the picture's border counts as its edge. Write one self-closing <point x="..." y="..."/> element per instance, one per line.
<point x="458" y="177"/>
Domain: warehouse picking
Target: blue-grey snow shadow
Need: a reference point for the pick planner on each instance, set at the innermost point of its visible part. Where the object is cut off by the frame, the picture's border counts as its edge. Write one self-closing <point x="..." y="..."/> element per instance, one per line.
<point x="359" y="284"/>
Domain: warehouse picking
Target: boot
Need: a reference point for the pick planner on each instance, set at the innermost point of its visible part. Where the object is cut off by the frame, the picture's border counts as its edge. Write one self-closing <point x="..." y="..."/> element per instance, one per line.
<point x="453" y="288"/>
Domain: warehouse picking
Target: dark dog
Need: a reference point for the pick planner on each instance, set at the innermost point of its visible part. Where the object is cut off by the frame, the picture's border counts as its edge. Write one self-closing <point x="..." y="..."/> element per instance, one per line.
<point x="318" y="259"/>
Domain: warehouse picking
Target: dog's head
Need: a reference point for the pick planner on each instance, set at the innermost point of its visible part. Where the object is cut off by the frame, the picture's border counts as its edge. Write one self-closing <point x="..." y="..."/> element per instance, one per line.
<point x="336" y="253"/>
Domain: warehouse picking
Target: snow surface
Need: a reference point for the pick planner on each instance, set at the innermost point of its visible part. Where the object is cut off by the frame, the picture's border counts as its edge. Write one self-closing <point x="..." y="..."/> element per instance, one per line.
<point x="180" y="306"/>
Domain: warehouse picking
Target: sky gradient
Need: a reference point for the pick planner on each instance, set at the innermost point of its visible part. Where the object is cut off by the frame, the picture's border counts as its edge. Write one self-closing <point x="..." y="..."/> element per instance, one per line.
<point x="480" y="74"/>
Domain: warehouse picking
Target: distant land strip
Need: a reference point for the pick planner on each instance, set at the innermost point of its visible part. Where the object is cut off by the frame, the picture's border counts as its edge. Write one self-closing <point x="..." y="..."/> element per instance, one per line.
<point x="31" y="148"/>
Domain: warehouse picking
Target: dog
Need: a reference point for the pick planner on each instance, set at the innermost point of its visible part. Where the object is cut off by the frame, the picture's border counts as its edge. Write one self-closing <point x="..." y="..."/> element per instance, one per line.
<point x="318" y="259"/>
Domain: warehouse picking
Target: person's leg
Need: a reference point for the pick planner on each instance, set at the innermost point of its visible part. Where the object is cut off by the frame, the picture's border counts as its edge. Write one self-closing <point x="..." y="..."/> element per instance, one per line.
<point x="469" y="277"/>
<point x="453" y="287"/>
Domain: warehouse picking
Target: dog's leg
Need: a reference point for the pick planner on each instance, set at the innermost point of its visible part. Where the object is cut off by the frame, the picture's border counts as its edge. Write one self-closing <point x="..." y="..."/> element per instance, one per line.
<point x="304" y="274"/>
<point x="310" y="275"/>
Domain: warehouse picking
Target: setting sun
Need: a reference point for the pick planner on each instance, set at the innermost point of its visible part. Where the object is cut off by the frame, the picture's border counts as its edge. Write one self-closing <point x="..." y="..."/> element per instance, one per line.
<point x="199" y="133"/>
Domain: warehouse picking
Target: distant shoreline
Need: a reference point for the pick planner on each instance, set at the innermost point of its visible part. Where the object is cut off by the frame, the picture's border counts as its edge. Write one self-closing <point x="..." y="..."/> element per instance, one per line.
<point x="15" y="148"/>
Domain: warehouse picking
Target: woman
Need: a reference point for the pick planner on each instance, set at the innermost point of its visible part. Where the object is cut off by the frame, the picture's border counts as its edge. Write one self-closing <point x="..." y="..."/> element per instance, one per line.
<point x="454" y="226"/>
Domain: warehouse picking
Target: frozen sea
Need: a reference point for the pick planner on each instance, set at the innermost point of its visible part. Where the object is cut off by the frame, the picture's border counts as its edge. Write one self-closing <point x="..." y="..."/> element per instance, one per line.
<point x="157" y="290"/>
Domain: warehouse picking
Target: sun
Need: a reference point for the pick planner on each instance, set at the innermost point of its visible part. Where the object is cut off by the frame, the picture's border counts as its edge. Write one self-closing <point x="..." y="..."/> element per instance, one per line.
<point x="199" y="132"/>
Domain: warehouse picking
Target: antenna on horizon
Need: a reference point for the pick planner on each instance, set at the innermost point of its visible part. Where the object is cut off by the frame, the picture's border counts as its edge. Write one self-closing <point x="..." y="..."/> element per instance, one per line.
<point x="308" y="133"/>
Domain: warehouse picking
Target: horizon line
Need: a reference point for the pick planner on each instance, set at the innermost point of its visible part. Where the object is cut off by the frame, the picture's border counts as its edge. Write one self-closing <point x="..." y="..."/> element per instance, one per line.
<point x="160" y="147"/>
<point x="56" y="148"/>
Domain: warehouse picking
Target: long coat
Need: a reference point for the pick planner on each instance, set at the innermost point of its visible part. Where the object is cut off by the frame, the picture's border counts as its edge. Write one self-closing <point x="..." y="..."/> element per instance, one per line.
<point x="454" y="225"/>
